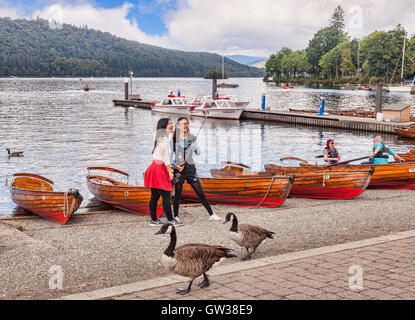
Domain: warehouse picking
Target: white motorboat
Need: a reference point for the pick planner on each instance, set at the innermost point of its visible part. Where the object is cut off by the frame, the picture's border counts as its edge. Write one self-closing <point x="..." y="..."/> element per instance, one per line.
<point x="202" y="98"/>
<point x="218" y="109"/>
<point x="172" y="104"/>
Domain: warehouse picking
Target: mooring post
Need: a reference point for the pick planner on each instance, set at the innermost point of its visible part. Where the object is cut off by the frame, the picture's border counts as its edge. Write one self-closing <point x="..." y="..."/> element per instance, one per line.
<point x="126" y="89"/>
<point x="323" y="103"/>
<point x="263" y="101"/>
<point x="378" y="105"/>
<point x="214" y="84"/>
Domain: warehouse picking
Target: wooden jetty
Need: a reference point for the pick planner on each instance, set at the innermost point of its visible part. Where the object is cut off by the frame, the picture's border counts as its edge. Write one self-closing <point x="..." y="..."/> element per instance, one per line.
<point x="300" y="118"/>
<point x="133" y="103"/>
<point x="328" y="121"/>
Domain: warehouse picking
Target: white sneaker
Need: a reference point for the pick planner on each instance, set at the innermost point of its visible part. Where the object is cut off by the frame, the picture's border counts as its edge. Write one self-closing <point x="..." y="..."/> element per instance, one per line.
<point x="215" y="217"/>
<point x="177" y="219"/>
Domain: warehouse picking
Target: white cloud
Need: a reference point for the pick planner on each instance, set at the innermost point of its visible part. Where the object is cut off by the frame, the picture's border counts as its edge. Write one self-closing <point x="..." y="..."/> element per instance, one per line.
<point x="113" y="20"/>
<point x="253" y="27"/>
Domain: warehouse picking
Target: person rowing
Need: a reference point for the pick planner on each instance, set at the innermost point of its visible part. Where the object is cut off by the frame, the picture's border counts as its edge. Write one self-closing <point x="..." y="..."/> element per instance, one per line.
<point x="381" y="153"/>
<point x="331" y="155"/>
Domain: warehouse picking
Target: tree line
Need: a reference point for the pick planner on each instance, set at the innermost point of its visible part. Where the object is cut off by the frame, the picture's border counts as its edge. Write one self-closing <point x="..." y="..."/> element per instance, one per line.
<point x="31" y="48"/>
<point x="332" y="55"/>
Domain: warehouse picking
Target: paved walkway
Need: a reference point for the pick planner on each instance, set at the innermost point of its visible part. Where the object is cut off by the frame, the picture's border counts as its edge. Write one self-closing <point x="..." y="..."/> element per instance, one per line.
<point x="378" y="268"/>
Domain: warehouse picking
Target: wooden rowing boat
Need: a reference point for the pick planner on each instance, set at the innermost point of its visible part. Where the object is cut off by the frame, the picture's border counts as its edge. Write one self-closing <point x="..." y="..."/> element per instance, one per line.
<point x="133" y="199"/>
<point x="358" y="112"/>
<point x="35" y="194"/>
<point x="406" y="133"/>
<point x="268" y="191"/>
<point x="385" y="176"/>
<point x="317" y="184"/>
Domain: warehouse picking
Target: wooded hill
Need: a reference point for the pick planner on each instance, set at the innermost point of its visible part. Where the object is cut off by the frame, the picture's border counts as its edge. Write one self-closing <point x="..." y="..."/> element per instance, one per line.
<point x="31" y="48"/>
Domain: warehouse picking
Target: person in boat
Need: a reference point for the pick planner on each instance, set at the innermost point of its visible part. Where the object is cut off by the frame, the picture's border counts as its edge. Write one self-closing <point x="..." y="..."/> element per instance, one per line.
<point x="159" y="174"/>
<point x="184" y="146"/>
<point x="171" y="94"/>
<point x="331" y="155"/>
<point x="381" y="153"/>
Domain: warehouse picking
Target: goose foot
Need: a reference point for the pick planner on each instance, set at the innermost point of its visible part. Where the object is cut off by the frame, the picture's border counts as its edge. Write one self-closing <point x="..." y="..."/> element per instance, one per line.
<point x="247" y="257"/>
<point x="205" y="283"/>
<point x="183" y="292"/>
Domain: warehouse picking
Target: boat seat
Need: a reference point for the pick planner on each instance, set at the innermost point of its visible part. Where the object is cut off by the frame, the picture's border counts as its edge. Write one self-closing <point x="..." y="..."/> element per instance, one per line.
<point x="29" y="183"/>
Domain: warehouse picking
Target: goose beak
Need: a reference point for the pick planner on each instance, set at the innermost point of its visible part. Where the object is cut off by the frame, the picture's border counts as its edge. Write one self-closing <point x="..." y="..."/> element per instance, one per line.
<point x="158" y="232"/>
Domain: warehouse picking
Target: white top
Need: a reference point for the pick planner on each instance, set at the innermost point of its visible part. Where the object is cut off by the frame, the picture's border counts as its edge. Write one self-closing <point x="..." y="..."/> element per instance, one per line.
<point x="162" y="152"/>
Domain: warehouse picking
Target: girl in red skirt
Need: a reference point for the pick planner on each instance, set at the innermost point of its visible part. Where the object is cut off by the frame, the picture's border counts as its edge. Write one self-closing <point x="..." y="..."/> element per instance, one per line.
<point x="159" y="174"/>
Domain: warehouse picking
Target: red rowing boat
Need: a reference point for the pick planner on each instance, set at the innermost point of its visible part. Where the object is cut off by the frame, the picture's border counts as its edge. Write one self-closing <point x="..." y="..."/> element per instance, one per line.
<point x="133" y="199"/>
<point x="385" y="176"/>
<point x="268" y="191"/>
<point x="316" y="184"/>
<point x="35" y="194"/>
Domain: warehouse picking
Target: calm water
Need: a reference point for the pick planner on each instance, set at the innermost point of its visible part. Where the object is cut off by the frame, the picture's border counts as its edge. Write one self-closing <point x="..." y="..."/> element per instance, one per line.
<point x="63" y="130"/>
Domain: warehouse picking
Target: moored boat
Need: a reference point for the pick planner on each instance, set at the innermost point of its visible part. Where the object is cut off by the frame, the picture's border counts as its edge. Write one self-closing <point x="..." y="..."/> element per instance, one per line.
<point x="386" y="176"/>
<point x="316" y="184"/>
<point x="268" y="192"/>
<point x="405" y="132"/>
<point x="358" y="112"/>
<point x="35" y="193"/>
<point x="218" y="109"/>
<point x="202" y="98"/>
<point x="133" y="199"/>
<point x="227" y="85"/>
<point x="172" y="104"/>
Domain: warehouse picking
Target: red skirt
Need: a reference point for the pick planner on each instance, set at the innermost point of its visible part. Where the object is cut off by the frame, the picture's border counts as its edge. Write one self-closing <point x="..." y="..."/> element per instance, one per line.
<point x="157" y="176"/>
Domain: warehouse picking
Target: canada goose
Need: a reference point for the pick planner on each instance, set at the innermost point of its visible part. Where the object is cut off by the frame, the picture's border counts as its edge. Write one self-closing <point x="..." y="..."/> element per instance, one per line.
<point x="14" y="154"/>
<point x="246" y="235"/>
<point x="192" y="259"/>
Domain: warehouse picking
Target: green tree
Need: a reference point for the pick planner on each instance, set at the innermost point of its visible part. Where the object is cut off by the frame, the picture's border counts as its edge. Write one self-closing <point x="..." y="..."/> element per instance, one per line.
<point x="338" y="61"/>
<point x="337" y="20"/>
<point x="215" y="74"/>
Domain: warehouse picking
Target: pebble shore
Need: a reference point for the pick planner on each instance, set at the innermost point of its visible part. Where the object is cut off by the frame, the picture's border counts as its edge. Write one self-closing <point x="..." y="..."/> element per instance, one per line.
<point x="113" y="247"/>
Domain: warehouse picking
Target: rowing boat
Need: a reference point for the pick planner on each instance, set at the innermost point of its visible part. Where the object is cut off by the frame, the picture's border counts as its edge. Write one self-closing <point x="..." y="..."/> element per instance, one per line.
<point x="406" y="133"/>
<point x="133" y="199"/>
<point x="386" y="176"/>
<point x="35" y="194"/>
<point x="268" y="192"/>
<point x="316" y="184"/>
<point x="358" y="112"/>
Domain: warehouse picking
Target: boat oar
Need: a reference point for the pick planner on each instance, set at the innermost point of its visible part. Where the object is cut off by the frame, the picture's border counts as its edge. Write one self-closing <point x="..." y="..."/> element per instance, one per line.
<point x="293" y="158"/>
<point x="236" y="164"/>
<point x="346" y="162"/>
<point x="320" y="156"/>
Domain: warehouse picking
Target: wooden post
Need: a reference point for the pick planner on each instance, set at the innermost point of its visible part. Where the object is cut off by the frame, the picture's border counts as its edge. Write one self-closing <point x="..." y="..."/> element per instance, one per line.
<point x="378" y="106"/>
<point x="214" y="88"/>
<point x="413" y="90"/>
<point x="126" y="89"/>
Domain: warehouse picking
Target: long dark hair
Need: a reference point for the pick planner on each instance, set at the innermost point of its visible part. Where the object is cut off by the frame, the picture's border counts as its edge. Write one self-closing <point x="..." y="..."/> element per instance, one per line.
<point x="160" y="130"/>
<point x="175" y="130"/>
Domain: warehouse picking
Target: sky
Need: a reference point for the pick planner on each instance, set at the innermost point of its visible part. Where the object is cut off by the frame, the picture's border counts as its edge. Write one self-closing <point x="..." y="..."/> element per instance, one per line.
<point x="247" y="27"/>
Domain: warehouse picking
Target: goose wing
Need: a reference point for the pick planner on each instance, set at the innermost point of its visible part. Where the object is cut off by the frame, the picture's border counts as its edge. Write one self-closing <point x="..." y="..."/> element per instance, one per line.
<point x="253" y="235"/>
<point x="196" y="258"/>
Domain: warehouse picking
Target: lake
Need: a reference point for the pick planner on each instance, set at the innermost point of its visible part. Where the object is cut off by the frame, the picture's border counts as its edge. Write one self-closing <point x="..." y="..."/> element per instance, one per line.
<point x="63" y="129"/>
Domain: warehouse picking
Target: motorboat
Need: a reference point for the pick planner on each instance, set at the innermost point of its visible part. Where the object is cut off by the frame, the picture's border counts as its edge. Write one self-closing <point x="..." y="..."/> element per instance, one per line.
<point x="172" y="104"/>
<point x="202" y="98"/>
<point x="218" y="109"/>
